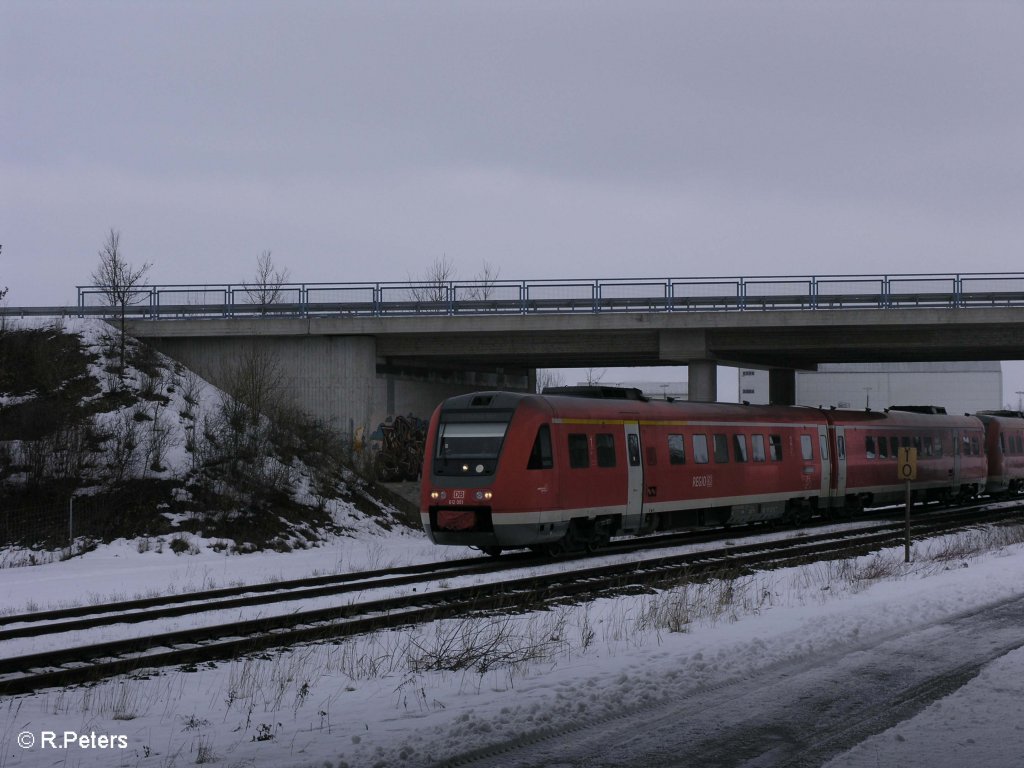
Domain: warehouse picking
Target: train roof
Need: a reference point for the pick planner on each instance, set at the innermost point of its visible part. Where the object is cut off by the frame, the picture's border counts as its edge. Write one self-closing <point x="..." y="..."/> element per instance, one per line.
<point x="616" y="403"/>
<point x="1003" y="417"/>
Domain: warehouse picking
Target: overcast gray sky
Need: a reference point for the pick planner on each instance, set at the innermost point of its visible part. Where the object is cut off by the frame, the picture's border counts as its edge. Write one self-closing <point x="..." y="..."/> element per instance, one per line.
<point x="364" y="140"/>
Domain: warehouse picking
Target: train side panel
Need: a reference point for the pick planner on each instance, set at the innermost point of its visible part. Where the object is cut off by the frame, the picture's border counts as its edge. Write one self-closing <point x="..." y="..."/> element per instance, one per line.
<point x="741" y="467"/>
<point x="950" y="456"/>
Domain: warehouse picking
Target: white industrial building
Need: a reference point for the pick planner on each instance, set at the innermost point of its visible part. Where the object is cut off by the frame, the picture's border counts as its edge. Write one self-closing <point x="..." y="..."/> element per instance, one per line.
<point x="959" y="387"/>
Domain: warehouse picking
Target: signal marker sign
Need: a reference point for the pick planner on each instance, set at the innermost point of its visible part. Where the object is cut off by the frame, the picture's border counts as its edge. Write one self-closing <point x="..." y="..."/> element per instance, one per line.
<point x="906" y="464"/>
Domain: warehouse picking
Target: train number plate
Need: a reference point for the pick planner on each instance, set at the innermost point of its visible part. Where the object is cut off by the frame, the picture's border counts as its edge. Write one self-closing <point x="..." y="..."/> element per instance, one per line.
<point x="702" y="481"/>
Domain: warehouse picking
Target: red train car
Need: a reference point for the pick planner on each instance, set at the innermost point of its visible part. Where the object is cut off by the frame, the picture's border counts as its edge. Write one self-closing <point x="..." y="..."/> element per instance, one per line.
<point x="569" y="469"/>
<point x="1004" y="440"/>
<point x="951" y="458"/>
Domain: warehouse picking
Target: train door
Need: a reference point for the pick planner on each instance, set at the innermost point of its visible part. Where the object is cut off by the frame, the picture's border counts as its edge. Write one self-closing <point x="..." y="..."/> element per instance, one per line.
<point x="635" y="476"/>
<point x="839" y="463"/>
<point x="957" y="453"/>
<point x="826" y="466"/>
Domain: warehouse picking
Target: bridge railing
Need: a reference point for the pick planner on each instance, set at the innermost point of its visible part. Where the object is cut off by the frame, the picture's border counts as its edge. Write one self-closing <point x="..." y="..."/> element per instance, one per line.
<point x="764" y="293"/>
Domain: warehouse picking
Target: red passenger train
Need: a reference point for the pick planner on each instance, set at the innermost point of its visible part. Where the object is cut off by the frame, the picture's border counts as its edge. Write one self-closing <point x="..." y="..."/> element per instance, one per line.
<point x="568" y="469"/>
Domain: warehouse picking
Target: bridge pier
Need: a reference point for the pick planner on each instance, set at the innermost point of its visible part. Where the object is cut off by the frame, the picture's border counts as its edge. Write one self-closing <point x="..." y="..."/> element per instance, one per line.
<point x="782" y="386"/>
<point x="702" y="378"/>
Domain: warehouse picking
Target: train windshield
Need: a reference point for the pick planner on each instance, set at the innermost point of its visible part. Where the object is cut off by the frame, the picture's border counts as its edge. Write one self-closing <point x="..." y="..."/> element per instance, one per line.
<point x="470" y="440"/>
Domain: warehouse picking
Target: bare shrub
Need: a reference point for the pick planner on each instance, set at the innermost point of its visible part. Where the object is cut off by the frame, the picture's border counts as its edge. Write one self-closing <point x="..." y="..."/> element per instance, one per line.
<point x="161" y="439"/>
<point x="256" y="383"/>
<point x="481" y="645"/>
<point x="191" y="387"/>
<point x="63" y="454"/>
<point x="124" y="445"/>
<point x="677" y="609"/>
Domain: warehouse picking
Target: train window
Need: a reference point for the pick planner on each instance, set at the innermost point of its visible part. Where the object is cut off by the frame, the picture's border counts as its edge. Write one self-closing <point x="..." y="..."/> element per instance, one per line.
<point x="917" y="444"/>
<point x="757" y="447"/>
<point x="936" y="446"/>
<point x="806" y="447"/>
<point x="883" y="448"/>
<point x="540" y="454"/>
<point x="721" y="449"/>
<point x="775" y="447"/>
<point x="926" y="445"/>
<point x="841" y="447"/>
<point x="605" y="450"/>
<point x="824" y="447"/>
<point x="676" y="449"/>
<point x="894" y="447"/>
<point x="975" y="450"/>
<point x="1020" y="444"/>
<point x="633" y="448"/>
<point x="470" y="440"/>
<point x="905" y="442"/>
<point x="579" y="452"/>
<point x="965" y="445"/>
<point x="1002" y="445"/>
<point x="869" y="447"/>
<point x="739" y="448"/>
<point x="700" y="449"/>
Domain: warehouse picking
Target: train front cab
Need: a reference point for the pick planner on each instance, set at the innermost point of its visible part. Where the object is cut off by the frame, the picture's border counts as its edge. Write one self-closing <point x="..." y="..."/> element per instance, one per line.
<point x="475" y="491"/>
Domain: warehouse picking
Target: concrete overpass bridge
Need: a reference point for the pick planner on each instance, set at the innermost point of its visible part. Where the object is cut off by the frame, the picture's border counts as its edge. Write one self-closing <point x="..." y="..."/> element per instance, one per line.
<point x="356" y="353"/>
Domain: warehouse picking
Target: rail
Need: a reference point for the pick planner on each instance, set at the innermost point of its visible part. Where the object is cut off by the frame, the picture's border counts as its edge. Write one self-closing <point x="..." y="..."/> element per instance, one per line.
<point x="529" y="297"/>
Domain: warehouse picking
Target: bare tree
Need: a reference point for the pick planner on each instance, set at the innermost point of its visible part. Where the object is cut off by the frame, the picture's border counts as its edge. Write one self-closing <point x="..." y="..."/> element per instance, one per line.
<point x="118" y="280"/>
<point x="433" y="284"/>
<point x="547" y="377"/>
<point x="484" y="282"/>
<point x="267" y="287"/>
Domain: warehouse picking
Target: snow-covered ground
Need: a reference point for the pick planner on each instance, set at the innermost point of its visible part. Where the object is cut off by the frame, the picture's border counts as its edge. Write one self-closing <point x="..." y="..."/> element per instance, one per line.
<point x="418" y="696"/>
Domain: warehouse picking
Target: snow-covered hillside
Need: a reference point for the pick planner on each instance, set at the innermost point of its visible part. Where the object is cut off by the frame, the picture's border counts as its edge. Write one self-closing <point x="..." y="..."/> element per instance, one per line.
<point x="155" y="450"/>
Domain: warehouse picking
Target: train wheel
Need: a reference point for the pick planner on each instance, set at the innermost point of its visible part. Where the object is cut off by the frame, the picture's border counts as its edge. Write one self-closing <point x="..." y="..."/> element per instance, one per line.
<point x="554" y="549"/>
<point x="597" y="541"/>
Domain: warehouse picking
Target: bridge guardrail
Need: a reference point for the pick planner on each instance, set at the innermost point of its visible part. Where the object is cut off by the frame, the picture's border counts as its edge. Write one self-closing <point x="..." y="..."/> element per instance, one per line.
<point x="680" y="294"/>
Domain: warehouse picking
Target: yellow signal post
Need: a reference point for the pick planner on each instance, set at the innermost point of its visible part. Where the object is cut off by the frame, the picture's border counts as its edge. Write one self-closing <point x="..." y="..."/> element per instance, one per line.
<point x="906" y="467"/>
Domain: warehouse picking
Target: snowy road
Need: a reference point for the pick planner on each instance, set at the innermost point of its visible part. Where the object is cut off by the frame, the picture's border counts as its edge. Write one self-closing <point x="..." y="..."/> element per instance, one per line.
<point x="800" y="712"/>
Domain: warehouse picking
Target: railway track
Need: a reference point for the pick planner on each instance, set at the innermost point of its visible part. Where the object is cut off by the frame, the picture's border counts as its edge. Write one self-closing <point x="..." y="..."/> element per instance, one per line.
<point x="81" y="663"/>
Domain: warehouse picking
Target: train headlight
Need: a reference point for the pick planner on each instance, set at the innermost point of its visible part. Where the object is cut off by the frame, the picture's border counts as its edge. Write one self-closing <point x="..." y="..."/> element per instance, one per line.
<point x="465" y="467"/>
<point x="435" y="495"/>
<point x="479" y="468"/>
<point x="483" y="495"/>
